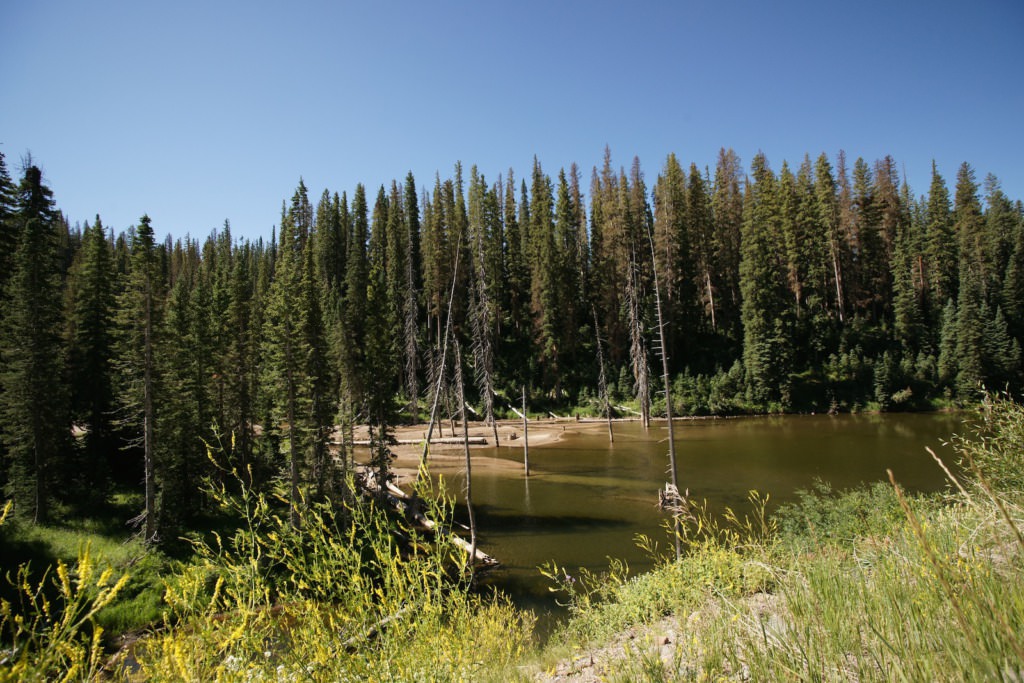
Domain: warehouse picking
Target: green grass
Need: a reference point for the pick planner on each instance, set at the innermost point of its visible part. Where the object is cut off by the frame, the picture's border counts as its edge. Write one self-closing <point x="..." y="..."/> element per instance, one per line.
<point x="861" y="585"/>
<point x="858" y="586"/>
<point x="108" y="543"/>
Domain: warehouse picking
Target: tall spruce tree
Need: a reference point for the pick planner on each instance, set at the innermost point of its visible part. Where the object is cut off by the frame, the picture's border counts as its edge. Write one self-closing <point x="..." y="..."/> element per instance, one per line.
<point x="727" y="207"/>
<point x="831" y="227"/>
<point x="285" y="350"/>
<point x="138" y="318"/>
<point x="766" y="313"/>
<point x="705" y="267"/>
<point x="354" y="304"/>
<point x="8" y="225"/>
<point x="483" y="309"/>
<point x="941" y="260"/>
<point x="90" y="321"/>
<point x="184" y="359"/>
<point x="673" y="256"/>
<point x="241" y="358"/>
<point x="410" y="305"/>
<point x="36" y="421"/>
<point x="381" y="379"/>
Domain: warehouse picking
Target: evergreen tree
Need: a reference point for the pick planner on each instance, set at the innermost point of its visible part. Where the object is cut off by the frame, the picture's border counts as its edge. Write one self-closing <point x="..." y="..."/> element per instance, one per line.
<point x="515" y="357"/>
<point x="636" y="234"/>
<point x="568" y="273"/>
<point x="829" y="219"/>
<point x="36" y="425"/>
<point x="380" y="380"/>
<point x="8" y="225"/>
<point x="1013" y="283"/>
<point x="947" y="360"/>
<point x="673" y="259"/>
<point x="354" y="305"/>
<point x="816" y="324"/>
<point x="139" y="311"/>
<point x="241" y="358"/>
<point x="90" y="338"/>
<point x="892" y="213"/>
<point x="410" y="307"/>
<point x="542" y="259"/>
<point x="482" y="310"/>
<point x="328" y="245"/>
<point x="607" y="263"/>
<point x="940" y="246"/>
<point x="184" y="359"/>
<point x="704" y="266"/>
<point x="908" y="317"/>
<point x="727" y="207"/>
<point x="969" y="227"/>
<point x="1002" y="224"/>
<point x="321" y="381"/>
<point x="792" y="237"/>
<point x="285" y="351"/>
<point x="1000" y="353"/>
<point x="870" y="272"/>
<point x="767" y="351"/>
<point x="437" y="259"/>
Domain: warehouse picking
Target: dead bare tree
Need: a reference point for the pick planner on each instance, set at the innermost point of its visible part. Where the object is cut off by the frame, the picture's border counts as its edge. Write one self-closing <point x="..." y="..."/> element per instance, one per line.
<point x="526" y="437"/>
<point x="602" y="380"/>
<point x="674" y="502"/>
<point x="460" y="387"/>
<point x="637" y="345"/>
<point x="410" y="349"/>
<point x="483" y="338"/>
<point x="439" y="370"/>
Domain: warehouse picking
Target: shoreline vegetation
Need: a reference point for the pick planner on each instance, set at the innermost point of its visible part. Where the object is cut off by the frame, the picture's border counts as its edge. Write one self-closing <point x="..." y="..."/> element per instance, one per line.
<point x="866" y="584"/>
<point x="193" y="389"/>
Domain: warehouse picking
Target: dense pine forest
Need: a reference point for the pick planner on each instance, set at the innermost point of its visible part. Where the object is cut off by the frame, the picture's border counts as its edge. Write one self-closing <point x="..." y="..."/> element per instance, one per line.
<point x="820" y="287"/>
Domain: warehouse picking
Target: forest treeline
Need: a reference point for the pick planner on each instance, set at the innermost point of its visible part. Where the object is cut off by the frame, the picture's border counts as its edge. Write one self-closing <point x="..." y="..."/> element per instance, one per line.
<point x="814" y="288"/>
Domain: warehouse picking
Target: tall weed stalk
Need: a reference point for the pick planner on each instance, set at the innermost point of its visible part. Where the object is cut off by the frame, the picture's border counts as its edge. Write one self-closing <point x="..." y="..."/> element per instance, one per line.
<point x="348" y="593"/>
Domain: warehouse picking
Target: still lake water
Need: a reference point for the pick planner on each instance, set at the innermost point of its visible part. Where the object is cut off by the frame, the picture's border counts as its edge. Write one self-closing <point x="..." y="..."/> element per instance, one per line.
<point x="586" y="499"/>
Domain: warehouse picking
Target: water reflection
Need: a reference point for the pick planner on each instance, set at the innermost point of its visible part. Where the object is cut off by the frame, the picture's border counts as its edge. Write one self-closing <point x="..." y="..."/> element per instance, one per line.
<point x="586" y="499"/>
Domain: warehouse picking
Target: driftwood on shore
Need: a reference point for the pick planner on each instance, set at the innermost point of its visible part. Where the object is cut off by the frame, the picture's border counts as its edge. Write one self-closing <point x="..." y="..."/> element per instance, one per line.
<point x="447" y="440"/>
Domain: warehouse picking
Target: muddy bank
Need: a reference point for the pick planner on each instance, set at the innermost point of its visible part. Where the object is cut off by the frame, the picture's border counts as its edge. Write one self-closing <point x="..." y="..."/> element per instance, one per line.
<point x="447" y="458"/>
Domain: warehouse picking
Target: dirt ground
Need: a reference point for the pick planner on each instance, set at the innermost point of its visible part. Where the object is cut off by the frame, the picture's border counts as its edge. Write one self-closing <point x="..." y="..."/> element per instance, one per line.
<point x="446" y="458"/>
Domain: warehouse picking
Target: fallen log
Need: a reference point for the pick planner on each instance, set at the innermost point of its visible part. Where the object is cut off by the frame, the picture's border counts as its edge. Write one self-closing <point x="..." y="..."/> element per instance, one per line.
<point x="352" y="644"/>
<point x="408" y="505"/>
<point x="448" y="440"/>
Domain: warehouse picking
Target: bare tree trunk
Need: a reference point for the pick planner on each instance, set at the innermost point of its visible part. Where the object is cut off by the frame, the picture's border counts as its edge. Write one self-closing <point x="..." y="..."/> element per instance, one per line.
<point x="711" y="299"/>
<point x="148" y="418"/>
<point x="668" y="410"/>
<point x="483" y="341"/>
<point x="293" y="441"/>
<point x="602" y="380"/>
<point x="526" y="437"/>
<point x="440" y="372"/>
<point x="637" y="348"/>
<point x="837" y="271"/>
<point x="469" y="468"/>
<point x="410" y="347"/>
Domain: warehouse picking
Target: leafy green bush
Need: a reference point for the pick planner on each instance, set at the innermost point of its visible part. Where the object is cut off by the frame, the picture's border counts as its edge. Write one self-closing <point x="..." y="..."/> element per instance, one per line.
<point x="821" y="515"/>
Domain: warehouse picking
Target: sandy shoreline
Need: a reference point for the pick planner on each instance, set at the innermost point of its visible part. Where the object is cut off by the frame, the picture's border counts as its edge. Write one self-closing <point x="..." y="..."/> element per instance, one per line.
<point x="448" y="458"/>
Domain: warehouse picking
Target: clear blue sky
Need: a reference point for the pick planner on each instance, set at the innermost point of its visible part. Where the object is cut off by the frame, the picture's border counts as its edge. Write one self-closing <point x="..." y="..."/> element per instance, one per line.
<point x="197" y="112"/>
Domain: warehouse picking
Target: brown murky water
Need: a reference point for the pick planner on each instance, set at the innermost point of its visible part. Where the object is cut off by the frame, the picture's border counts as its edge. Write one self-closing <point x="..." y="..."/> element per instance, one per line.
<point x="586" y="500"/>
